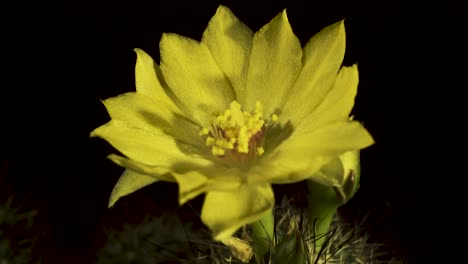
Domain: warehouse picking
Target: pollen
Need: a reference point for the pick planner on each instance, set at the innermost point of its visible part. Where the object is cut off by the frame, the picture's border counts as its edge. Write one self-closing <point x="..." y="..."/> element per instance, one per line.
<point x="237" y="133"/>
<point x="274" y="117"/>
<point x="260" y="151"/>
<point x="205" y="131"/>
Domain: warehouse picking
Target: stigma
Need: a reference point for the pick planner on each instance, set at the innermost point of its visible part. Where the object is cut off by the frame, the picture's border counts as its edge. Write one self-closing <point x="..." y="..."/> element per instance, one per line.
<point x="236" y="133"/>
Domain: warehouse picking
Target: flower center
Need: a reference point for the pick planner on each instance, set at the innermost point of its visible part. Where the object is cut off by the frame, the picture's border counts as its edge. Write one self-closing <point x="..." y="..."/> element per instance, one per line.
<point x="237" y="134"/>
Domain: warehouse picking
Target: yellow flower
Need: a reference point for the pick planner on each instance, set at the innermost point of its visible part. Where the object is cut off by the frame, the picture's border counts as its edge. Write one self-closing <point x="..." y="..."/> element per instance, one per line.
<point x="234" y="113"/>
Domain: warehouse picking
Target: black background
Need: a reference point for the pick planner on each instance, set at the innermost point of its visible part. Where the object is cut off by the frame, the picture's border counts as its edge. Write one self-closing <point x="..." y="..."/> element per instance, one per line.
<point x="62" y="60"/>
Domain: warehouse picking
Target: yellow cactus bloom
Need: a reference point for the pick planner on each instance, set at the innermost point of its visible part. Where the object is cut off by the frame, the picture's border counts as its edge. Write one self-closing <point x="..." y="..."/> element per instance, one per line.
<point x="233" y="114"/>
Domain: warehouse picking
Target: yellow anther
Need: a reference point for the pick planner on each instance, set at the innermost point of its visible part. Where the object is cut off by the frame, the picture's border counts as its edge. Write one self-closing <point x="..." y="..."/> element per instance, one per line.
<point x="274" y="117"/>
<point x="243" y="140"/>
<point x="260" y="151"/>
<point x="209" y="141"/>
<point x="204" y="132"/>
<point x="237" y="117"/>
<point x="217" y="151"/>
<point x="230" y="133"/>
<point x="237" y="131"/>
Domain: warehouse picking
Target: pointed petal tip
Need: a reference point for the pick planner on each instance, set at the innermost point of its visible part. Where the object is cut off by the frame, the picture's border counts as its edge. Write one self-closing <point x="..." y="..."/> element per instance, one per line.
<point x="223" y="13"/>
<point x="370" y="138"/>
<point x="164" y="37"/>
<point x="113" y="199"/>
<point x="222" y="9"/>
<point x="281" y="18"/>
<point x="140" y="53"/>
<point x="335" y="29"/>
<point x="284" y="16"/>
<point x="95" y="132"/>
<point x="111" y="203"/>
<point x="114" y="157"/>
<point x="183" y="198"/>
<point x="339" y="26"/>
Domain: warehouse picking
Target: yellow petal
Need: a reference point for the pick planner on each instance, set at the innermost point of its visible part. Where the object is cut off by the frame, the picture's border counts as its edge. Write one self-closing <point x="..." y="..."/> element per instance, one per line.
<point x="225" y="212"/>
<point x="129" y="182"/>
<point x="148" y="147"/>
<point x="193" y="178"/>
<point x="303" y="154"/>
<point x="200" y="87"/>
<point x="230" y="42"/>
<point x="274" y="65"/>
<point x="323" y="55"/>
<point x="222" y="178"/>
<point x="145" y="113"/>
<point x="337" y="104"/>
<point x="158" y="172"/>
<point x="191" y="184"/>
<point x="195" y="181"/>
<point x="149" y="80"/>
<point x="136" y="176"/>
